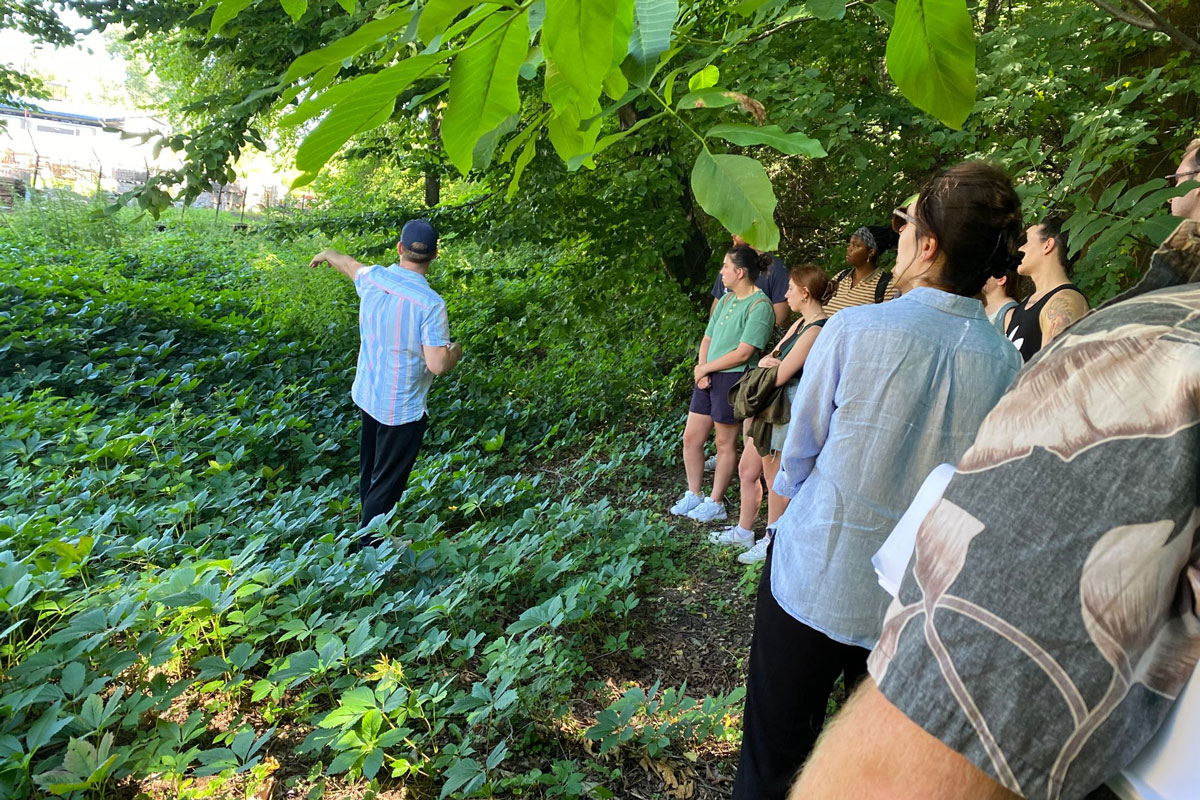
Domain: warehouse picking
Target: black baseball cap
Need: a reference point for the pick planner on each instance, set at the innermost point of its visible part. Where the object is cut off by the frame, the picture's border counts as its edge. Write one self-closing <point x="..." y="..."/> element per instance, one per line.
<point x="419" y="238"/>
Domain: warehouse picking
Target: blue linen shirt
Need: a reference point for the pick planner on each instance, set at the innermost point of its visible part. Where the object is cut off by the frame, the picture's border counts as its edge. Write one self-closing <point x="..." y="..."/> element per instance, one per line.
<point x="397" y="314"/>
<point x="888" y="392"/>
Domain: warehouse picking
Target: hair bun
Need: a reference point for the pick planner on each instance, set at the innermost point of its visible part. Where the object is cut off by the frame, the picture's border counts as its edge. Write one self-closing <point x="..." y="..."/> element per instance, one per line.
<point x="765" y="260"/>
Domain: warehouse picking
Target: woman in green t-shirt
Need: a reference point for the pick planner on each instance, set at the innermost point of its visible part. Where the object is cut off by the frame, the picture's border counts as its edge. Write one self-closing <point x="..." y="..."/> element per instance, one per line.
<point x="808" y="289"/>
<point x="737" y="332"/>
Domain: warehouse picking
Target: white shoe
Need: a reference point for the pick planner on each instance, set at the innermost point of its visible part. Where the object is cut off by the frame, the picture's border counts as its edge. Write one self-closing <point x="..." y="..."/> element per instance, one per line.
<point x="708" y="511"/>
<point x="686" y="503"/>
<point x="734" y="534"/>
<point x="710" y="464"/>
<point x="756" y="553"/>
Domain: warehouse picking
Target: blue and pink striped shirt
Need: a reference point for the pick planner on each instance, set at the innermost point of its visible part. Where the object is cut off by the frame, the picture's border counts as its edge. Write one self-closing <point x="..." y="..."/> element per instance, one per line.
<point x="397" y="314"/>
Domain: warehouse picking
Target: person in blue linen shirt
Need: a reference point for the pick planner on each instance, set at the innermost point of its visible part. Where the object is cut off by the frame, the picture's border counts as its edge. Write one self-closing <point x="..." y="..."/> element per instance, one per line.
<point x="889" y="392"/>
<point x="404" y="342"/>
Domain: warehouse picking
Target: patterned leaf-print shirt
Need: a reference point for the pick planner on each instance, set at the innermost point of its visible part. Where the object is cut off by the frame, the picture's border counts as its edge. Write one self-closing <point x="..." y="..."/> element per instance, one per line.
<point x="889" y="391"/>
<point x="1049" y="616"/>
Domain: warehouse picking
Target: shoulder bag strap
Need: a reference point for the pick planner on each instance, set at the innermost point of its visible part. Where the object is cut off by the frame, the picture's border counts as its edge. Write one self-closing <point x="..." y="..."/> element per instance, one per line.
<point x="881" y="287"/>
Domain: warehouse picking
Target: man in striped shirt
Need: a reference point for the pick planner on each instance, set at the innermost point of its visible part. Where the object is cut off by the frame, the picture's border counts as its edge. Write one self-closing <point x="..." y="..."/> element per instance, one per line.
<point x="404" y="342"/>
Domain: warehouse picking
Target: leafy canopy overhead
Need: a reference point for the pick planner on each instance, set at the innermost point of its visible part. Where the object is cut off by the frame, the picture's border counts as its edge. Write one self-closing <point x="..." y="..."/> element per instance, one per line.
<point x="564" y="70"/>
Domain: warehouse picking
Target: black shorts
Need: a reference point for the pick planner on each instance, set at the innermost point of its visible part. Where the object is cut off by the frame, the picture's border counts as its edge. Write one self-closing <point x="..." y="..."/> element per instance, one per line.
<point x="714" y="401"/>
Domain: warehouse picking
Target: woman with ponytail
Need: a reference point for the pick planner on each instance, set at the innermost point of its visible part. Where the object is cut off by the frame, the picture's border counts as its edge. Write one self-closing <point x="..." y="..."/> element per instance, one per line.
<point x="808" y="289"/>
<point x="888" y="393"/>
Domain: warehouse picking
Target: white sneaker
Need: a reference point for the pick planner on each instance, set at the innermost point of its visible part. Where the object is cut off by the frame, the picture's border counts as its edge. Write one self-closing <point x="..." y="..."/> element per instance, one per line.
<point x="756" y="553"/>
<point x="708" y="511"/>
<point x="734" y="534"/>
<point x="710" y="464"/>
<point x="686" y="503"/>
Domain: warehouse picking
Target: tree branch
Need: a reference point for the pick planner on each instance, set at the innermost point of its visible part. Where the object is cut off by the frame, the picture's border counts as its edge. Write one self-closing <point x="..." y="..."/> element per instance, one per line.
<point x="1153" y="21"/>
<point x="1164" y="25"/>
<point x="770" y="32"/>
<point x="1124" y="16"/>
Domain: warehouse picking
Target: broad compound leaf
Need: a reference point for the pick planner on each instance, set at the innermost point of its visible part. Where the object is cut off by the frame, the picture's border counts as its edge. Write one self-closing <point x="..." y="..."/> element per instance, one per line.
<point x="931" y="56"/>
<point x="364" y="109"/>
<point x="826" y="9"/>
<point x="578" y="38"/>
<point x="794" y="144"/>
<point x="348" y="5"/>
<point x="437" y="15"/>
<point x="652" y="25"/>
<point x="465" y="774"/>
<point x="737" y="191"/>
<point x="294" y="8"/>
<point x="348" y="46"/>
<point x="483" y="84"/>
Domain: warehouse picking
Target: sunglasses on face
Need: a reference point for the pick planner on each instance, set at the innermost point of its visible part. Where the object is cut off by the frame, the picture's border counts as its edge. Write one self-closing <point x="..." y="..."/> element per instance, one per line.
<point x="1178" y="177"/>
<point x="900" y="218"/>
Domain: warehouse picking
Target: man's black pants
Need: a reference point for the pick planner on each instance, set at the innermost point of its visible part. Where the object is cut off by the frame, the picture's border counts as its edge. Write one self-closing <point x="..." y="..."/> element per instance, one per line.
<point x="385" y="461"/>
<point x="793" y="669"/>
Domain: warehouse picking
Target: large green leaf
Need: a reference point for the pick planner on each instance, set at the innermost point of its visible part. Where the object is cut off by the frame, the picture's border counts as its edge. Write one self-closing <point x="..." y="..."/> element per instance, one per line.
<point x="706" y="78"/>
<point x="737" y="191"/>
<point x="794" y="144"/>
<point x="826" y="9"/>
<point x="653" y="22"/>
<point x="294" y="8"/>
<point x="348" y="46"/>
<point x="615" y="82"/>
<point x="706" y="98"/>
<point x="483" y="84"/>
<point x="437" y="15"/>
<point x="578" y="38"/>
<point x="226" y="10"/>
<point x="931" y="56"/>
<point x="886" y="10"/>
<point x="571" y="137"/>
<point x="363" y="109"/>
<point x="326" y="100"/>
<point x="523" y="160"/>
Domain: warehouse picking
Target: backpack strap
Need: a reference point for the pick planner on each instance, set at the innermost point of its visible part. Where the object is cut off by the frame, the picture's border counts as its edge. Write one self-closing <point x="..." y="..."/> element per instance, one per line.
<point x="881" y="287"/>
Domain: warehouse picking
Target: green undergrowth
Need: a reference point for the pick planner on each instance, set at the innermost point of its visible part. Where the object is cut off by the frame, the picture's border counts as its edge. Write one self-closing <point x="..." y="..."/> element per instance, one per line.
<point x="185" y="600"/>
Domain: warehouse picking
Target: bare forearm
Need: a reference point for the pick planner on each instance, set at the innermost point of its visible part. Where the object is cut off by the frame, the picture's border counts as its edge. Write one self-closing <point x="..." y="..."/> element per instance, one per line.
<point x="343" y="263"/>
<point x="870" y="751"/>
<point x="732" y="359"/>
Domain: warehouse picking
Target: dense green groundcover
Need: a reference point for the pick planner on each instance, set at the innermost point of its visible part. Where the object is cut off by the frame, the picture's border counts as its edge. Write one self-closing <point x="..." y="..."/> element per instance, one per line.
<point x="182" y="588"/>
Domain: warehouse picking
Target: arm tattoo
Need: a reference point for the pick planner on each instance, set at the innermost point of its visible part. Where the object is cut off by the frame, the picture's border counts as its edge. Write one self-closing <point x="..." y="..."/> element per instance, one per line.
<point x="1060" y="312"/>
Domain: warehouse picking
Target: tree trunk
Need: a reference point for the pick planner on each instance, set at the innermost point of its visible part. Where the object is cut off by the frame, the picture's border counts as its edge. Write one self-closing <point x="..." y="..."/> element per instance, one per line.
<point x="433" y="186"/>
<point x="991" y="14"/>
<point x="433" y="178"/>
<point x="690" y="268"/>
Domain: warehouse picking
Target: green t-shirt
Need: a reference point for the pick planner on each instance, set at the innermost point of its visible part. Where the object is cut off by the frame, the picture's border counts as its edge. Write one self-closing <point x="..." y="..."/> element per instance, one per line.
<point x="750" y="320"/>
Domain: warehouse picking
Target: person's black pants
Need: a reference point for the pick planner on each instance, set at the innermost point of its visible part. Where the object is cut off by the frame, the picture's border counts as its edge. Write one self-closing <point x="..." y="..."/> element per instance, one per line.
<point x="385" y="461"/>
<point x="793" y="669"/>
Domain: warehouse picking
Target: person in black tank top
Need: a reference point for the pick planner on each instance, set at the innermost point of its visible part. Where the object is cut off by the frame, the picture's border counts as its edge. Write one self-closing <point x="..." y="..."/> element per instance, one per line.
<point x="1058" y="301"/>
